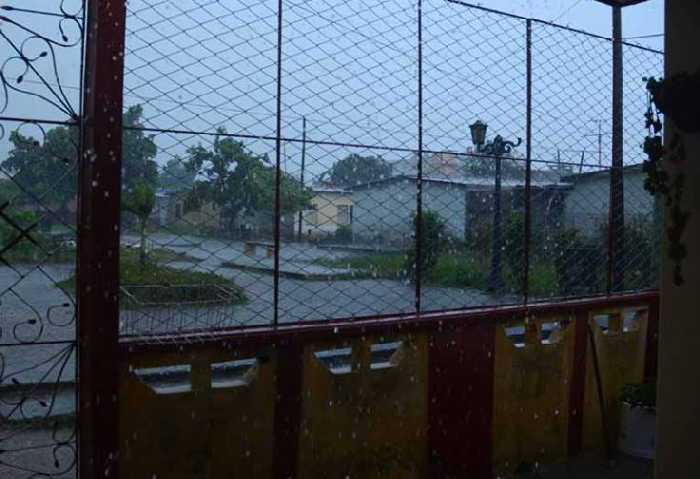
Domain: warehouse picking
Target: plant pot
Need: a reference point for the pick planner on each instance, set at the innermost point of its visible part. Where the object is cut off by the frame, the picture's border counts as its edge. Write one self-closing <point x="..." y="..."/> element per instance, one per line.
<point x="637" y="431"/>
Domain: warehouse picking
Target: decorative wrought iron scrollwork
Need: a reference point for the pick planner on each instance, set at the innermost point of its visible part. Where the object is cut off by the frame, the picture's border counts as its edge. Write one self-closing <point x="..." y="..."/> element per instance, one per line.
<point x="38" y="51"/>
<point x="33" y="52"/>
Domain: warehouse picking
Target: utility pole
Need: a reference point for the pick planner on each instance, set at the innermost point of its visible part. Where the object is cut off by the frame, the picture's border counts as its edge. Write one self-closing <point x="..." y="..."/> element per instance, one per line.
<point x="303" y="166"/>
<point x="616" y="244"/>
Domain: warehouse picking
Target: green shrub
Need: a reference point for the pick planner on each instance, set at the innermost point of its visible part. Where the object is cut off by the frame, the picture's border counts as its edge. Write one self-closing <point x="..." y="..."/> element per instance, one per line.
<point x="463" y="270"/>
<point x="434" y="240"/>
<point x="640" y="252"/>
<point x="24" y="250"/>
<point x="577" y="259"/>
<point x="343" y="234"/>
<point x="640" y="394"/>
<point x="479" y="236"/>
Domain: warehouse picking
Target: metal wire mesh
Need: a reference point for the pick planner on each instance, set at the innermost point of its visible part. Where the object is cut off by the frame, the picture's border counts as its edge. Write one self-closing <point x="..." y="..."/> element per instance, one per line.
<point x="299" y="180"/>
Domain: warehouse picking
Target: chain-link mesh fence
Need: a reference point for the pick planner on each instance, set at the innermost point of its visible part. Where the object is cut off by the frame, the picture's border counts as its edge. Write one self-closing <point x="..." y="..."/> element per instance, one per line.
<point x="287" y="150"/>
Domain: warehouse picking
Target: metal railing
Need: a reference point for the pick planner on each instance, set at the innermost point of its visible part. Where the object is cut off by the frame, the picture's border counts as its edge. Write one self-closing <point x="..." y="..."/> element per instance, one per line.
<point x="472" y="393"/>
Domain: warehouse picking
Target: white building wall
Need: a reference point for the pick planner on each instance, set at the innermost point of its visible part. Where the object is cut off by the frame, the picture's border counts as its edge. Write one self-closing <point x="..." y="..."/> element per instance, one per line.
<point x="587" y="203"/>
<point x="385" y="211"/>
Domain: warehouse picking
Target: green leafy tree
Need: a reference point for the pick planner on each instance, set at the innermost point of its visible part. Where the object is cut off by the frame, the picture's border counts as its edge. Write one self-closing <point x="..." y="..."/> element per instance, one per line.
<point x="8" y="191"/>
<point x="9" y="236"/>
<point x="50" y="169"/>
<point x="293" y="195"/>
<point x="175" y="176"/>
<point x="356" y="169"/>
<point x="138" y="150"/>
<point x="239" y="181"/>
<point x="486" y="167"/>
<point x="140" y="201"/>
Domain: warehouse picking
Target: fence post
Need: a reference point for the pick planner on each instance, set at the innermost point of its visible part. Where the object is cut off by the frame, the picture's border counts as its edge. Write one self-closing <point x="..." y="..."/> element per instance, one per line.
<point x="616" y="228"/>
<point x="419" y="180"/>
<point x="528" y="164"/>
<point x="460" y="402"/>
<point x="97" y="275"/>
<point x="278" y="168"/>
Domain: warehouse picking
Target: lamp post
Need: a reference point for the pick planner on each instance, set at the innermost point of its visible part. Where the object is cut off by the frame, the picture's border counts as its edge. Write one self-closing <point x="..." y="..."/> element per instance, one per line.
<point x="497" y="148"/>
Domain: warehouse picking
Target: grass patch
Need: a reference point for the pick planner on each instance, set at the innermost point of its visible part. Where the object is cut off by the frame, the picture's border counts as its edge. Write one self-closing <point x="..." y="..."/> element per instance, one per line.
<point x="387" y="265"/>
<point x="155" y="284"/>
<point x="452" y="269"/>
<point x="31" y="254"/>
<point x="165" y="256"/>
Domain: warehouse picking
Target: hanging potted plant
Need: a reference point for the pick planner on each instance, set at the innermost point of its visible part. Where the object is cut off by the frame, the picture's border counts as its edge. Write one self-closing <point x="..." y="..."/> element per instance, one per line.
<point x="638" y="419"/>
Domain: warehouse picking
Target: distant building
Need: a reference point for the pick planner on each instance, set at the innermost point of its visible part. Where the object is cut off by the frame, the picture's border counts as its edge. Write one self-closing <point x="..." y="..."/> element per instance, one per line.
<point x="330" y="209"/>
<point x="172" y="210"/>
<point x="587" y="204"/>
<point x="384" y="209"/>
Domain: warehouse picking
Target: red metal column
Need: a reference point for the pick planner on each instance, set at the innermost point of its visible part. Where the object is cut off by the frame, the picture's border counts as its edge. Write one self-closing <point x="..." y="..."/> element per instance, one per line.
<point x="460" y="402"/>
<point x="290" y="365"/>
<point x="577" y="384"/>
<point x="97" y="284"/>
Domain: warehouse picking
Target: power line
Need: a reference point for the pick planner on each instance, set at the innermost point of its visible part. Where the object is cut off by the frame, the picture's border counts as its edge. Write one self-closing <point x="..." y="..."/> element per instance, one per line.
<point x="565" y="11"/>
<point x="653" y="35"/>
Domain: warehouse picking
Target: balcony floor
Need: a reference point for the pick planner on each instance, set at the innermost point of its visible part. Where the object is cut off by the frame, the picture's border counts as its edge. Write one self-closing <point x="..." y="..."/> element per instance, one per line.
<point x="589" y="467"/>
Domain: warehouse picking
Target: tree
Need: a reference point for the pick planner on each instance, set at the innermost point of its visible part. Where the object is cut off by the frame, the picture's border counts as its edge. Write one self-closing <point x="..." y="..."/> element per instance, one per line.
<point x="486" y="167"/>
<point x="293" y="195"/>
<point x="138" y="150"/>
<point x="9" y="235"/>
<point x="175" y="176"/>
<point x="356" y="169"/>
<point x="239" y="181"/>
<point x="140" y="201"/>
<point x="50" y="169"/>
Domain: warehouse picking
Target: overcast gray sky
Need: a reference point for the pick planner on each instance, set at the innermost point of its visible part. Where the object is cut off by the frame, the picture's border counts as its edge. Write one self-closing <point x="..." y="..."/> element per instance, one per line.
<point x="350" y="68"/>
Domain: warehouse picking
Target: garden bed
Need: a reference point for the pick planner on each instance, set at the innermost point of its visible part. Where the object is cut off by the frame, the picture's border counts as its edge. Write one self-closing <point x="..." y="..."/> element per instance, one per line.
<point x="156" y="285"/>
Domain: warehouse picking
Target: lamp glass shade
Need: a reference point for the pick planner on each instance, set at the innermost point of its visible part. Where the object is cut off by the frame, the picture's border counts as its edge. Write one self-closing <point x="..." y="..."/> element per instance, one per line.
<point x="478" y="131"/>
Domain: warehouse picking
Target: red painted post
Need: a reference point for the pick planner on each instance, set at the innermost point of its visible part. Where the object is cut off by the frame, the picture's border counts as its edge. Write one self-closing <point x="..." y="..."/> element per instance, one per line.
<point x="577" y="384"/>
<point x="290" y="366"/>
<point x="460" y="402"/>
<point x="651" y="356"/>
<point x="97" y="284"/>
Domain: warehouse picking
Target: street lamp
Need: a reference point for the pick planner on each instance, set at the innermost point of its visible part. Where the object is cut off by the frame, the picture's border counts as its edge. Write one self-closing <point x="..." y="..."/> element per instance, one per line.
<point x="496" y="149"/>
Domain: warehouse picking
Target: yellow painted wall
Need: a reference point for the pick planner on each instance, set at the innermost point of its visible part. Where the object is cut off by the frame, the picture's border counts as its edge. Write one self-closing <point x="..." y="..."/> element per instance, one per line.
<point x="367" y="422"/>
<point x="324" y="218"/>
